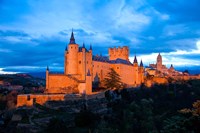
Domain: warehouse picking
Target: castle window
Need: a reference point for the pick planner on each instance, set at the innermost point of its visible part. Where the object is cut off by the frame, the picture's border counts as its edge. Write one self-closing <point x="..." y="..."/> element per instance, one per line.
<point x="87" y="62"/>
<point x="79" y="62"/>
<point x="117" y="67"/>
<point x="28" y="97"/>
<point x="71" y="47"/>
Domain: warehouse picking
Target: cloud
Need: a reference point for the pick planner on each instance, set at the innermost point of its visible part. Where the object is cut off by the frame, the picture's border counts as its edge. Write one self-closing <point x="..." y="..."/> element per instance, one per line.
<point x="131" y="20"/>
<point x="180" y="11"/>
<point x="35" y="33"/>
<point x="173" y="30"/>
<point x="2" y="71"/>
<point x="177" y="58"/>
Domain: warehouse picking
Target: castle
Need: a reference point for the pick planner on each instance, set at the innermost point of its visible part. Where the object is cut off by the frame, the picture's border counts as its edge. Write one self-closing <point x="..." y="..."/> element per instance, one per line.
<point x="81" y="68"/>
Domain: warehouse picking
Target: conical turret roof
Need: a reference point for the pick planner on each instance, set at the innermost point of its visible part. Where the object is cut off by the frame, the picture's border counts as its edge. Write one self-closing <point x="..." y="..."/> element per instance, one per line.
<point x="135" y="59"/>
<point x="141" y="63"/>
<point x="72" y="39"/>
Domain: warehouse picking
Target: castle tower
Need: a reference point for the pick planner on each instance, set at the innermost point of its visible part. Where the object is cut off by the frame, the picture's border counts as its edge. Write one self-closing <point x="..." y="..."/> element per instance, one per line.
<point x="90" y="64"/>
<point x="141" y="73"/>
<point x="88" y="83"/>
<point x="159" y="62"/>
<point x="122" y="53"/>
<point x="84" y="61"/>
<point x="47" y="77"/>
<point x="135" y="71"/>
<point x="71" y="56"/>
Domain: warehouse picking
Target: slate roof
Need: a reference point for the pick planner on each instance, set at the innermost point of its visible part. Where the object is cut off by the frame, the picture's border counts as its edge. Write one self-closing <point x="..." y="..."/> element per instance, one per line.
<point x="106" y="59"/>
<point x="100" y="58"/>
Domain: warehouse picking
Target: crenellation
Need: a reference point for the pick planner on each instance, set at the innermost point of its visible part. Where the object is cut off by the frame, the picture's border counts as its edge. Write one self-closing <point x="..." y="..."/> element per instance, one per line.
<point x="119" y="52"/>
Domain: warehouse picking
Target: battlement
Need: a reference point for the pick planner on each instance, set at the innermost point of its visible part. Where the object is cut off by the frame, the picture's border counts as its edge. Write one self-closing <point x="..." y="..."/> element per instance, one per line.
<point x="119" y="52"/>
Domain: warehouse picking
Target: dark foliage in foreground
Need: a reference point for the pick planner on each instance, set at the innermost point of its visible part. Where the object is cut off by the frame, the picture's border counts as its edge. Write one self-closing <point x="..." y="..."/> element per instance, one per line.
<point x="161" y="108"/>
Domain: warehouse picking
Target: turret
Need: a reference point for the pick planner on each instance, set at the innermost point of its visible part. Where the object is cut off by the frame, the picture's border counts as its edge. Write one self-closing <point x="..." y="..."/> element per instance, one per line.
<point x="141" y="73"/>
<point x="171" y="68"/>
<point x="83" y="45"/>
<point x="135" y="71"/>
<point x="72" y="39"/>
<point x="141" y="63"/>
<point x="135" y="62"/>
<point x="90" y="47"/>
<point x="71" y="56"/>
<point x="47" y="77"/>
<point x="88" y="83"/>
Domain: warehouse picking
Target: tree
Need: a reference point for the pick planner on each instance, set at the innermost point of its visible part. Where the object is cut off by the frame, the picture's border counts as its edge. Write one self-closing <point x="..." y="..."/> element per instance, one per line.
<point x="112" y="80"/>
<point x="56" y="125"/>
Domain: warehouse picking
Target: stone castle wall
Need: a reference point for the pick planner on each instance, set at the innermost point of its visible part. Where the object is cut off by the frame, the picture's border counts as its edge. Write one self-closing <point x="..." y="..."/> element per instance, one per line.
<point x="100" y="69"/>
<point x="30" y="99"/>
<point x="60" y="83"/>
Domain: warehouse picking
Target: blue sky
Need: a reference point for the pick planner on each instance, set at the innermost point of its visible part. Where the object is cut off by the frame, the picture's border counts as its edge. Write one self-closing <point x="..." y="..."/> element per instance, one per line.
<point x="34" y="33"/>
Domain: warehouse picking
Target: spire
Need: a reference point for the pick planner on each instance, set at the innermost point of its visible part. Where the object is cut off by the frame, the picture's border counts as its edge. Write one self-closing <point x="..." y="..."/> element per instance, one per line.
<point x="72" y="40"/>
<point x="141" y="63"/>
<point x="88" y="73"/>
<point x="47" y="68"/>
<point x="90" y="46"/>
<point x="159" y="55"/>
<point x="171" y="66"/>
<point x="135" y="59"/>
<point x="83" y="45"/>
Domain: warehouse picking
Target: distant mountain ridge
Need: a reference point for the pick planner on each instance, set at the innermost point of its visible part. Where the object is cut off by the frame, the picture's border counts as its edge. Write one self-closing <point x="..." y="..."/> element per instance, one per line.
<point x="38" y="74"/>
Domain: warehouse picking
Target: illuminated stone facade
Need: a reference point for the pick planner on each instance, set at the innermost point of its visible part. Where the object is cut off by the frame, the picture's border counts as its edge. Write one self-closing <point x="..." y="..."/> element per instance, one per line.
<point x="81" y="68"/>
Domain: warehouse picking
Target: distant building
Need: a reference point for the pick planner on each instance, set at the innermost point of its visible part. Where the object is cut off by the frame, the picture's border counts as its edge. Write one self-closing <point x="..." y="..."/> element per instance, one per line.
<point x="159" y="73"/>
<point x="159" y="66"/>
